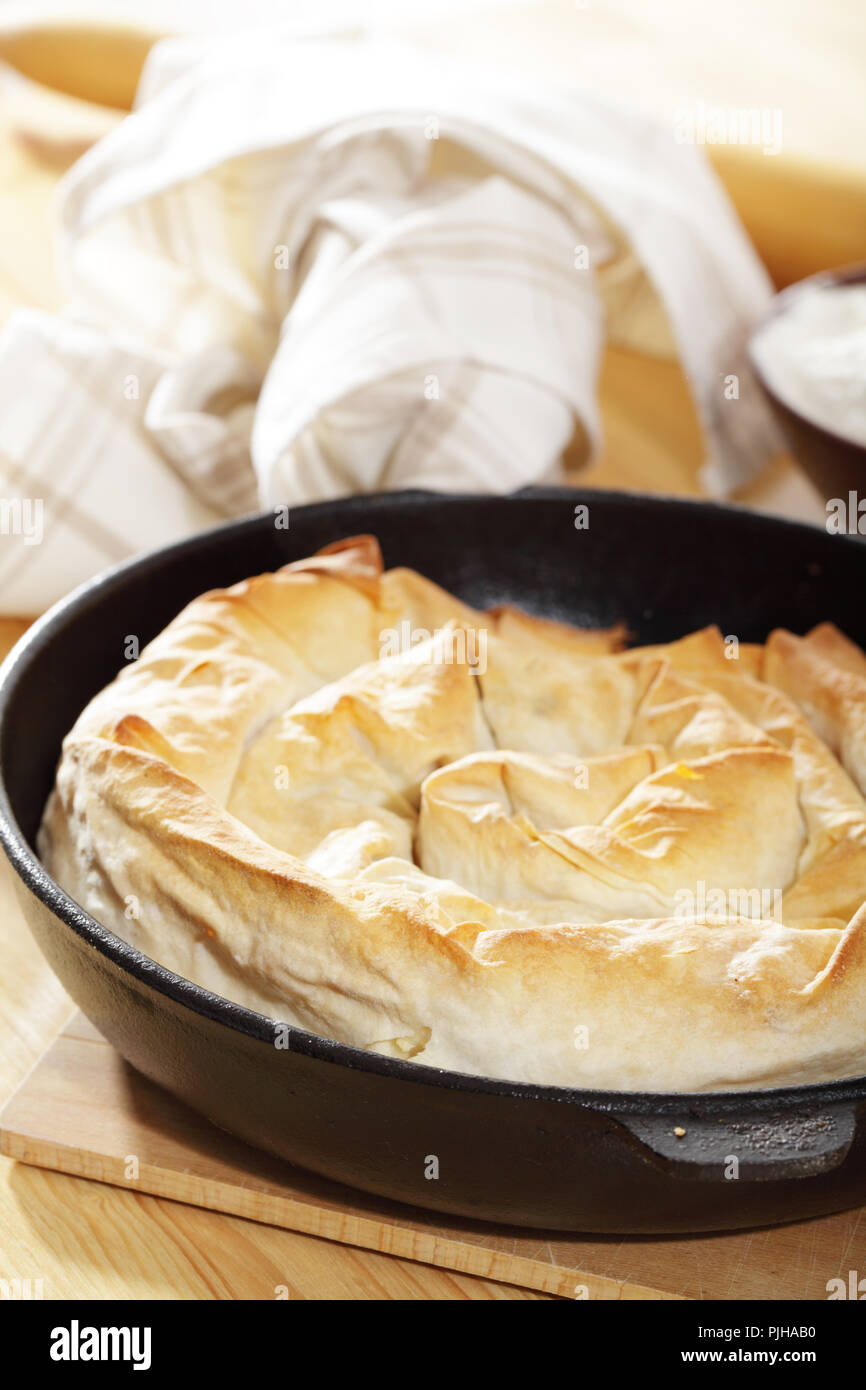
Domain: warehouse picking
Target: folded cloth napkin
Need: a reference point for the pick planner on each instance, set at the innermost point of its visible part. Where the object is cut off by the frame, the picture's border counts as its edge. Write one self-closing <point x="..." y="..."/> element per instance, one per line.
<point x="303" y="268"/>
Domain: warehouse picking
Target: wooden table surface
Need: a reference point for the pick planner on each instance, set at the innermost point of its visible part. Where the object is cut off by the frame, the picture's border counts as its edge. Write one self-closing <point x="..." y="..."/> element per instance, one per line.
<point x="87" y="1240"/>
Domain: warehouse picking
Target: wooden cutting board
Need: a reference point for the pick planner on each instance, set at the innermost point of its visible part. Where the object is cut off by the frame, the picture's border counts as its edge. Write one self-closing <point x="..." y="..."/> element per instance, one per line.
<point x="84" y="1111"/>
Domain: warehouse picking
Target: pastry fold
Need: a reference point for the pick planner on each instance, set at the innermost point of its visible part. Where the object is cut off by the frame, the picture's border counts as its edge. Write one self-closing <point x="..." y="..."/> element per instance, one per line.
<point x="485" y="840"/>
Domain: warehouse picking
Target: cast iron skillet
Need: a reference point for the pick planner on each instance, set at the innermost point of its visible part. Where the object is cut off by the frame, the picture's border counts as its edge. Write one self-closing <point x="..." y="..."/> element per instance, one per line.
<point x="532" y="1155"/>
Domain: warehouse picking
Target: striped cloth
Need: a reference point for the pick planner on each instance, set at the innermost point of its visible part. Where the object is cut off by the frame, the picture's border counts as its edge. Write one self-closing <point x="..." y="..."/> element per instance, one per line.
<point x="305" y="268"/>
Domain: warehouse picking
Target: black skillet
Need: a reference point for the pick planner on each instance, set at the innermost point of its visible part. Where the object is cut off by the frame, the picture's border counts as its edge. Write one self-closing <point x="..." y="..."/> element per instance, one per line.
<point x="532" y="1155"/>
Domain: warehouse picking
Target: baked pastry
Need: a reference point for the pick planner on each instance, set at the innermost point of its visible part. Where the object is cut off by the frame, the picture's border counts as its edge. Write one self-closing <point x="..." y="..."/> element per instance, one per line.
<point x="485" y="841"/>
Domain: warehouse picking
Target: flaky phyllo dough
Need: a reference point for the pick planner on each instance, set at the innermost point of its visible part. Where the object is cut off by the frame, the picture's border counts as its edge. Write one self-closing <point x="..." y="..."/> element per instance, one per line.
<point x="485" y="841"/>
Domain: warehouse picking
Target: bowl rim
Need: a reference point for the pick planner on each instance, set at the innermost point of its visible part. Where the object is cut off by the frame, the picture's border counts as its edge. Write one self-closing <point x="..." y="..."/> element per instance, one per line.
<point x="780" y="304"/>
<point x="195" y="998"/>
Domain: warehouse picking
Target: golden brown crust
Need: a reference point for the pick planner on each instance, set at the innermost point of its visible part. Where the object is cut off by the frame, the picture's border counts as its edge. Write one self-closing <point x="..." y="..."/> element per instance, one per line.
<point x="487" y="841"/>
<point x="825" y="675"/>
<point x="555" y="638"/>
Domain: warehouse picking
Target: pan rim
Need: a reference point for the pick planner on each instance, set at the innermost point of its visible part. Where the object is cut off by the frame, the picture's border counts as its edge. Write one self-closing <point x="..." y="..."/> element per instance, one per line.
<point x="216" y="1008"/>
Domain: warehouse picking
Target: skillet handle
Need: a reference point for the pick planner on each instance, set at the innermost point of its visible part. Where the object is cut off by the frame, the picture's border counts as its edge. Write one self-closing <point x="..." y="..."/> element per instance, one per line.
<point x="755" y="1148"/>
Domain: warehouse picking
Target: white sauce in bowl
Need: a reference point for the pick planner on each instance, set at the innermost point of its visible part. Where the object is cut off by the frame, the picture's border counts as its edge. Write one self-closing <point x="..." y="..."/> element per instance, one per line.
<point x="813" y="355"/>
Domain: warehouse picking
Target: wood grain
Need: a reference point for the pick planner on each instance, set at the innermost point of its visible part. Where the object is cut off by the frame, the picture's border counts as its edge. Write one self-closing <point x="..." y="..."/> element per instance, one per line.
<point x="84" y="1111"/>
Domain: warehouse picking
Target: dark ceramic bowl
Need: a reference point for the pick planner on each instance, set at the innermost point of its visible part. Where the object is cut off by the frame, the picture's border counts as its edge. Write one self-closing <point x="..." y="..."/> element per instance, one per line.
<point x="543" y="1156"/>
<point x="835" y="464"/>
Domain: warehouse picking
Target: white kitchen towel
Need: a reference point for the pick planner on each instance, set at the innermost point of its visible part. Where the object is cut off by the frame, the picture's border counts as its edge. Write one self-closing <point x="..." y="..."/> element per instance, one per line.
<point x="310" y="267"/>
